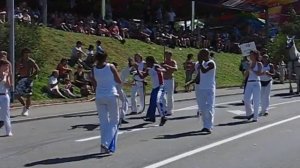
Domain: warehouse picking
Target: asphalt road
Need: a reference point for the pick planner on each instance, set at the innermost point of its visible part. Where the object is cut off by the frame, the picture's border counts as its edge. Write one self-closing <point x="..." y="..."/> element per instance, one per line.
<point x="72" y="141"/>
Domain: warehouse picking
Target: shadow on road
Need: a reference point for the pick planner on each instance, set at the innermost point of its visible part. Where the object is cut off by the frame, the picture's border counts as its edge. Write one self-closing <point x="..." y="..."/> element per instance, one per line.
<point x="234" y="123"/>
<point x="181" y="135"/>
<point x="88" y="127"/>
<point x="236" y="104"/>
<point x="134" y="127"/>
<point x="182" y="117"/>
<point x="66" y="159"/>
<point x="79" y="115"/>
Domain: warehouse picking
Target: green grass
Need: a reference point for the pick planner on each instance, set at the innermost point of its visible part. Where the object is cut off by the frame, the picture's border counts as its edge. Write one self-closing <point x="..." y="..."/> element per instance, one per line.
<point x="55" y="44"/>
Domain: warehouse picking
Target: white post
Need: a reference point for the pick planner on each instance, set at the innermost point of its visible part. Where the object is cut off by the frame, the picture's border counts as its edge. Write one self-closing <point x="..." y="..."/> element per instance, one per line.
<point x="193" y="15"/>
<point x="103" y="9"/>
<point x="11" y="21"/>
<point x="45" y="12"/>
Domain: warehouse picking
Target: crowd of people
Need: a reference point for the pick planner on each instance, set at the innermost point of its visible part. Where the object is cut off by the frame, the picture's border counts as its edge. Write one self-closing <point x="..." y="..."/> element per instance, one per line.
<point x="258" y="75"/>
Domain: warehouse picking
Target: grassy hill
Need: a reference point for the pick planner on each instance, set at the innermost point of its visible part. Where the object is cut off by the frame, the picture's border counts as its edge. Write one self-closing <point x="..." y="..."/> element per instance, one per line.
<point x="55" y="44"/>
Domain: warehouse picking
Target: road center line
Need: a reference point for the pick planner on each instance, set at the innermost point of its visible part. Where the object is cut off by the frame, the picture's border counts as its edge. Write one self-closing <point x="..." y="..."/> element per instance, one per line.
<point x="218" y="143"/>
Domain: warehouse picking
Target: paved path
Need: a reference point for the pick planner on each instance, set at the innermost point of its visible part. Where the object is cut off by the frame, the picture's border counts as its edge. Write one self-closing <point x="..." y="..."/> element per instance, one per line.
<point x="72" y="141"/>
<point x="42" y="112"/>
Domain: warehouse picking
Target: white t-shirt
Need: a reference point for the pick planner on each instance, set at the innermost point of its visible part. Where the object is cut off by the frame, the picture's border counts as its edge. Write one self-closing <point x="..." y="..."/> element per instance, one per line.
<point x="156" y="77"/>
<point x="75" y="50"/>
<point x="208" y="79"/>
<point x="53" y="80"/>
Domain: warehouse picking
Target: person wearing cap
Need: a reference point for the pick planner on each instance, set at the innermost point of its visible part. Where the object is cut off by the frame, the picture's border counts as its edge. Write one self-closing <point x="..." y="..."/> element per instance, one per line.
<point x="207" y="89"/>
<point x="2" y="17"/>
<point x="266" y="84"/>
<point x="26" y="70"/>
<point x="5" y="85"/>
<point x="170" y="66"/>
<point x="253" y="87"/>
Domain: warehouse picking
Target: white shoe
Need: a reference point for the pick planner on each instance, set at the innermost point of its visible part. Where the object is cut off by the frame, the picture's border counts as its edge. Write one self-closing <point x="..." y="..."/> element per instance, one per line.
<point x="9" y="134"/>
<point x="25" y="112"/>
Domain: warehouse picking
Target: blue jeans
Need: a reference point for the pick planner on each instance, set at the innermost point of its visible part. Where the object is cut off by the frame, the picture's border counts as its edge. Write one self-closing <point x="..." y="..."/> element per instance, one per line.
<point x="157" y="100"/>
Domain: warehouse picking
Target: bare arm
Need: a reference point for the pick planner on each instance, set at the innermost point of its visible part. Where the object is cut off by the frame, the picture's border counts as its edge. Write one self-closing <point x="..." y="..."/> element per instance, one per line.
<point x="272" y="71"/>
<point x="259" y="72"/>
<point x="205" y="70"/>
<point x="36" y="69"/>
<point x="116" y="74"/>
<point x="172" y="67"/>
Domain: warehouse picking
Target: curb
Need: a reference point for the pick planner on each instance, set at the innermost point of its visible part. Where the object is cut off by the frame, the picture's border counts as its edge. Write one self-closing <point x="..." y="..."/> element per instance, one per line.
<point x="91" y="111"/>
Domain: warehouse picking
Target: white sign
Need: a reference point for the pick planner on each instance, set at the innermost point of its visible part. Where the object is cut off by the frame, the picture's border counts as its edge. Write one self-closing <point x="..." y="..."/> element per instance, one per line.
<point x="246" y="48"/>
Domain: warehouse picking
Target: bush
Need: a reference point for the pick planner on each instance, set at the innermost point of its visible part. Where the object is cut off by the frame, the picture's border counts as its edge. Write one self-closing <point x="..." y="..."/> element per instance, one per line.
<point x="25" y="36"/>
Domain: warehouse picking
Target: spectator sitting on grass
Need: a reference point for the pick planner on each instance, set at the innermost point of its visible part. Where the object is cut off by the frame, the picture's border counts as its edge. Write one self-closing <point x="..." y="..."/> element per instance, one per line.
<point x="103" y="31"/>
<point x="53" y="85"/>
<point x="115" y="32"/>
<point x="99" y="48"/>
<point x="81" y="82"/>
<point x="64" y="70"/>
<point x="26" y="18"/>
<point x="2" y="17"/>
<point x="68" y="89"/>
<point x="90" y="56"/>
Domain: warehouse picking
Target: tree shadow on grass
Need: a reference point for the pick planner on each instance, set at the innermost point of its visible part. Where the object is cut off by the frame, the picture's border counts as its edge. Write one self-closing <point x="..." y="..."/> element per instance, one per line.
<point x="66" y="159"/>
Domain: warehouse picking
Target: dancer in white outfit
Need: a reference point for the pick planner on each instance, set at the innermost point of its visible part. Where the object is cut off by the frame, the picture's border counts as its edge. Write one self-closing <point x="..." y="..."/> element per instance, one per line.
<point x="104" y="78"/>
<point x="171" y="66"/>
<point x="138" y="87"/>
<point x="266" y="84"/>
<point x="207" y="90"/>
<point x="5" y="84"/>
<point x="253" y="87"/>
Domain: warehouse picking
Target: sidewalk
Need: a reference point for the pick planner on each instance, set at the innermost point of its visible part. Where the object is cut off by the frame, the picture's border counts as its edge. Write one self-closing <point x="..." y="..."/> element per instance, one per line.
<point x="69" y="109"/>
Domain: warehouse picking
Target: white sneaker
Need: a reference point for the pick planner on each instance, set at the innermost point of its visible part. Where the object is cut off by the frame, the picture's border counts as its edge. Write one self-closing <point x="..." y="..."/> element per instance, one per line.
<point x="25" y="112"/>
<point x="9" y="134"/>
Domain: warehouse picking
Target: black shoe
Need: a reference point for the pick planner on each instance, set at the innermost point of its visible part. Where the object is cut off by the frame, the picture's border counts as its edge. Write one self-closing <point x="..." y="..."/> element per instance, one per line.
<point x="149" y="120"/>
<point x="163" y="121"/>
<point x="205" y="130"/>
<point x="250" y="117"/>
<point x="1" y="124"/>
<point x="124" y="121"/>
<point x="264" y="114"/>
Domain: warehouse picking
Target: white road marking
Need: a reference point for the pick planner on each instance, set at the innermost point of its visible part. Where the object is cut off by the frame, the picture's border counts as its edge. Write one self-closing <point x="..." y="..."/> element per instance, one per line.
<point x="237" y="112"/>
<point x="242" y="112"/>
<point x="218" y="143"/>
<point x="119" y="133"/>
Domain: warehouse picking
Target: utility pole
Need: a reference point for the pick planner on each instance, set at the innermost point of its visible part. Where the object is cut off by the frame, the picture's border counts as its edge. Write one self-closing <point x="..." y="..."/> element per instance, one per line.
<point x="193" y="16"/>
<point x="11" y="21"/>
<point x="103" y="9"/>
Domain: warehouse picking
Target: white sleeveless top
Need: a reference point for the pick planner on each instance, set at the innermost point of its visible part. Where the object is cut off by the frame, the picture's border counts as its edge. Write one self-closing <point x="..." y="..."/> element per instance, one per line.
<point x="106" y="85"/>
<point x="3" y="88"/>
<point x="266" y="77"/>
<point x="156" y="77"/>
<point x="208" y="79"/>
<point x="252" y="75"/>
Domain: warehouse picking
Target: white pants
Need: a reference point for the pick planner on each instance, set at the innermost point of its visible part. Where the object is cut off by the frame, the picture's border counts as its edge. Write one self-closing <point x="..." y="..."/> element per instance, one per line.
<point x="197" y="93"/>
<point x="137" y="88"/>
<point x="5" y="112"/>
<point x="124" y="102"/>
<point x="169" y="88"/>
<point x="265" y="97"/>
<point x="207" y="107"/>
<point x="252" y="92"/>
<point x="108" y="114"/>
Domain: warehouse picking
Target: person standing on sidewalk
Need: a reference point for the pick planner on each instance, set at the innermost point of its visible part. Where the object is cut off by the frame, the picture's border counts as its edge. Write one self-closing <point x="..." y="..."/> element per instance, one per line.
<point x="138" y="87"/>
<point x="26" y="70"/>
<point x="104" y="78"/>
<point x="5" y="85"/>
<point x="253" y="87"/>
<point x="207" y="89"/>
<point x="266" y="84"/>
<point x="170" y="66"/>
<point x="157" y="97"/>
